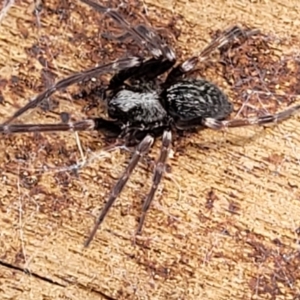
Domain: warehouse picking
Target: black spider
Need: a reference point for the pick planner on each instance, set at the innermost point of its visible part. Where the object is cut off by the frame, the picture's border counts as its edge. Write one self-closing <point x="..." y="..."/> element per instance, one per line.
<point x="141" y="109"/>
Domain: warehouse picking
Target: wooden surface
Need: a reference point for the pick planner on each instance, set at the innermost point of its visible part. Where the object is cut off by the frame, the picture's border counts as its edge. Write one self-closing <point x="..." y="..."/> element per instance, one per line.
<point x="225" y="223"/>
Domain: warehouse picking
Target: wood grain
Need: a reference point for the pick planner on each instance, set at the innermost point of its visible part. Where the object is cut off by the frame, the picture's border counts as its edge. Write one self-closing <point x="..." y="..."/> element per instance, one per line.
<point x="224" y="224"/>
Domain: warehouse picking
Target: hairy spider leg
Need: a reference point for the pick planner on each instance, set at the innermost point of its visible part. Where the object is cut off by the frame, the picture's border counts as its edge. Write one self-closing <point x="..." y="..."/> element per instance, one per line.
<point x="117" y="65"/>
<point x="145" y="72"/>
<point x="164" y="56"/>
<point x="143" y="35"/>
<point x="142" y="148"/>
<point x="224" y="39"/>
<point x="262" y="120"/>
<point x="157" y="42"/>
<point x="157" y="176"/>
<point x="112" y="127"/>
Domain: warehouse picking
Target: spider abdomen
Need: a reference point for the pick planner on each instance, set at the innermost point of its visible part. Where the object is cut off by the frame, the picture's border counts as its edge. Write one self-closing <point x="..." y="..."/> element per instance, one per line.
<point x="136" y="107"/>
<point x="196" y="98"/>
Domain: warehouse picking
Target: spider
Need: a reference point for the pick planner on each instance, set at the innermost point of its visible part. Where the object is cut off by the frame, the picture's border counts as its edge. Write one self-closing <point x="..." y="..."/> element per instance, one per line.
<point x="141" y="108"/>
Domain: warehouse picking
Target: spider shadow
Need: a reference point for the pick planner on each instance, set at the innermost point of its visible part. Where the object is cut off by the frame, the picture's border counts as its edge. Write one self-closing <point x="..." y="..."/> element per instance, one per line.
<point x="230" y="137"/>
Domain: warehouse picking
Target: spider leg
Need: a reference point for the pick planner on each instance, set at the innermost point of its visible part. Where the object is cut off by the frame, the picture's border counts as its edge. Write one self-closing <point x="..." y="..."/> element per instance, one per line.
<point x="147" y="71"/>
<point x="157" y="176"/>
<point x="100" y="124"/>
<point x="263" y="120"/>
<point x="153" y="43"/>
<point x="117" y="65"/>
<point x="156" y="43"/>
<point x="120" y="38"/>
<point x="142" y="148"/>
<point x="144" y="36"/>
<point x="225" y="38"/>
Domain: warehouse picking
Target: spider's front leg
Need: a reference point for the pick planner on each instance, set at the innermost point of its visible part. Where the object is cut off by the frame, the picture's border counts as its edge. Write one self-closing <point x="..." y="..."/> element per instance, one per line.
<point x="227" y="37"/>
<point x="115" y="66"/>
<point x="145" y="72"/>
<point x="141" y="34"/>
<point x="113" y="128"/>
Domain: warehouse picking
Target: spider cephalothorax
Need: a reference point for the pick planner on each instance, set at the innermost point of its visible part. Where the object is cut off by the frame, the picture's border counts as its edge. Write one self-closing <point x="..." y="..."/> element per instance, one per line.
<point x="141" y="107"/>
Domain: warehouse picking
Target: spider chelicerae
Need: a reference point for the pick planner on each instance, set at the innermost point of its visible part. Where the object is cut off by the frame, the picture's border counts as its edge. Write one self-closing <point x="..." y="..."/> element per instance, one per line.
<point x="141" y="107"/>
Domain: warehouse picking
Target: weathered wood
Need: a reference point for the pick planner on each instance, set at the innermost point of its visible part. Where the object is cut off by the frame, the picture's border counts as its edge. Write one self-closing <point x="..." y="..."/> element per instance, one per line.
<point x="245" y="247"/>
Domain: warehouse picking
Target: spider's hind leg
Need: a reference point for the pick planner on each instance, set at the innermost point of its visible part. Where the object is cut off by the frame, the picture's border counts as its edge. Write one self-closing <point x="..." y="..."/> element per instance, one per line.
<point x="262" y="120"/>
